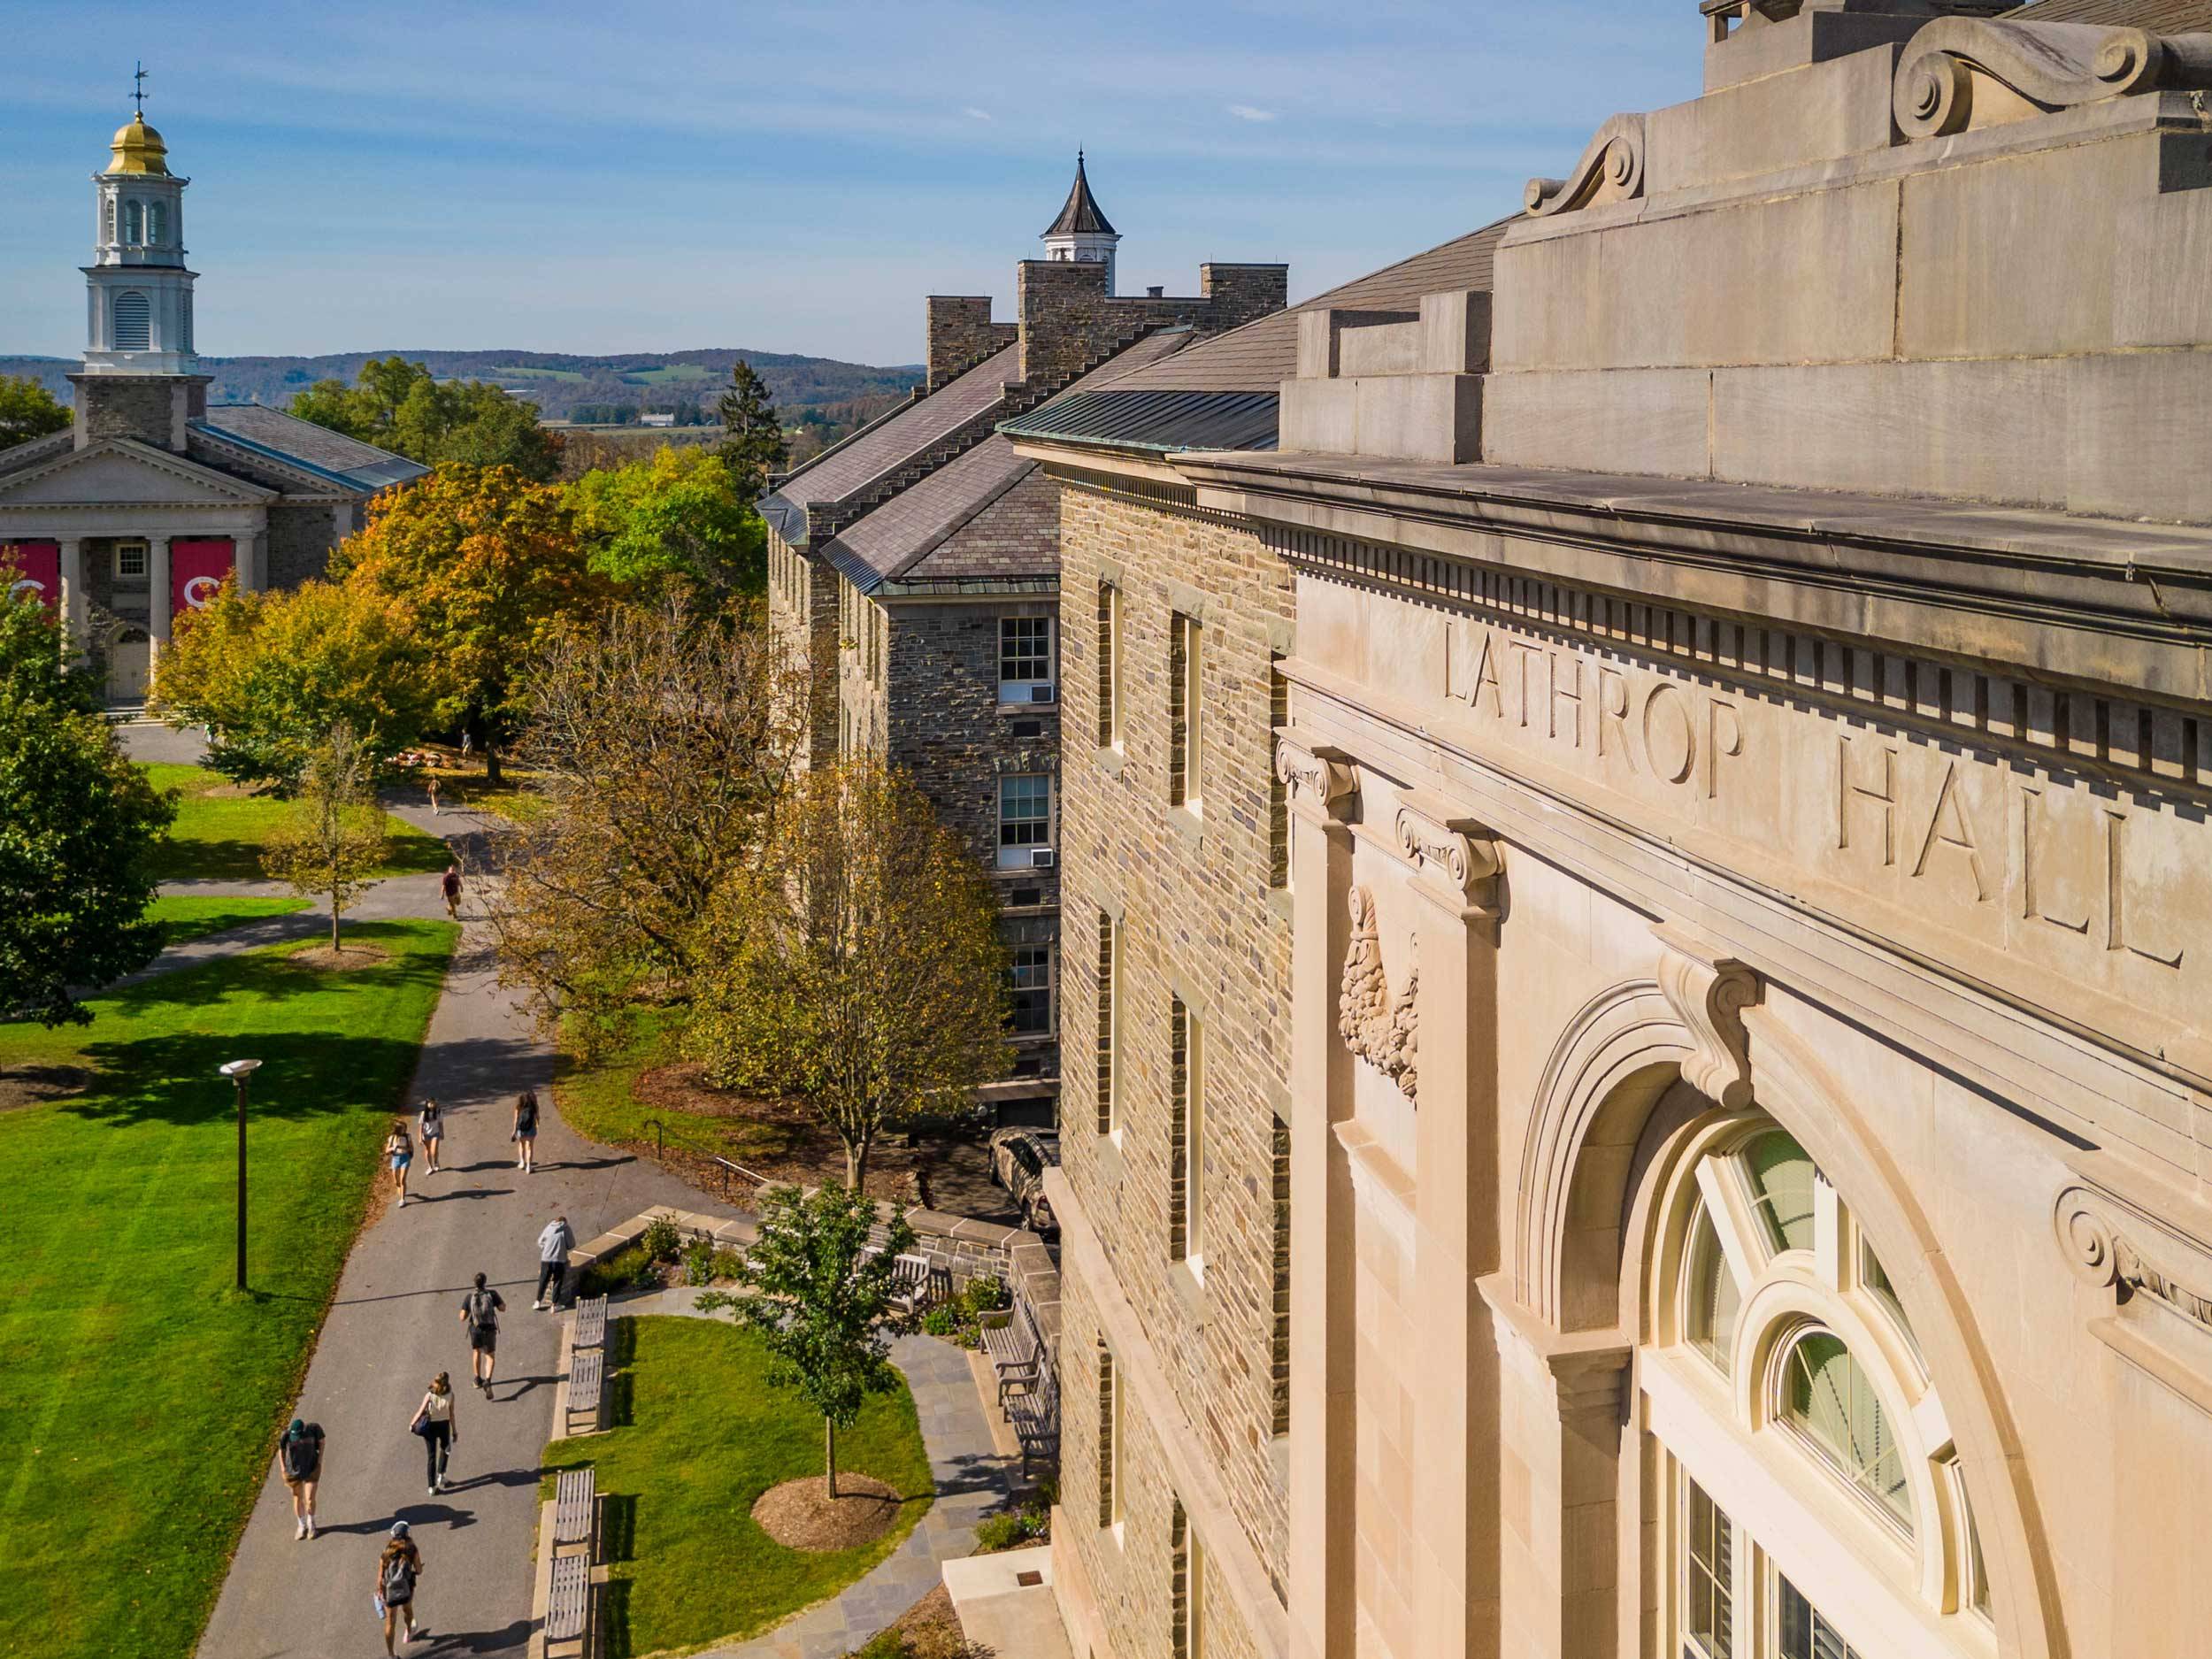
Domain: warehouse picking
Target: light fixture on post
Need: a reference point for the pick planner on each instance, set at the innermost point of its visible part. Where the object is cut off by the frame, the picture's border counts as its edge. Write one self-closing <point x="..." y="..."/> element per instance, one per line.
<point x="238" y="1072"/>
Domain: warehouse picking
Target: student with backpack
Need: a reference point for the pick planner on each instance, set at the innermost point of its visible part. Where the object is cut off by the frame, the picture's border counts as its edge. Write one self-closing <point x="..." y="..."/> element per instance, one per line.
<point x="300" y="1461"/>
<point x="439" y="1426"/>
<point x="479" y="1312"/>
<point x="398" y="1570"/>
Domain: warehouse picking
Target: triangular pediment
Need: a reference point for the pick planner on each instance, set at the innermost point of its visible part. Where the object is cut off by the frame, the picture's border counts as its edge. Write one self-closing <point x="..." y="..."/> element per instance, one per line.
<point x="122" y="473"/>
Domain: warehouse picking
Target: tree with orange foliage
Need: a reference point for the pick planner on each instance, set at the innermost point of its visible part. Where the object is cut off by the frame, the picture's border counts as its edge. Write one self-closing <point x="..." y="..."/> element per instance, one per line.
<point x="490" y="567"/>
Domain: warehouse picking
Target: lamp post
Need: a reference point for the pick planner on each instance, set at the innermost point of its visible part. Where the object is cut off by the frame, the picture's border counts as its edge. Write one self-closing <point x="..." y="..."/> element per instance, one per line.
<point x="238" y="1072"/>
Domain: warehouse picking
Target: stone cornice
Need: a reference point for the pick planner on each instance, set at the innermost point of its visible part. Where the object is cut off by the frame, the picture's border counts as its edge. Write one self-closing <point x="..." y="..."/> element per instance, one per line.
<point x="1967" y="582"/>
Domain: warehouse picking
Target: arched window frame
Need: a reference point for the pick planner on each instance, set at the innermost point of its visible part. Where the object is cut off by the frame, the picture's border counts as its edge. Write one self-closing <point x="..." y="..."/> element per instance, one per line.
<point x="156" y="224"/>
<point x="1786" y="1294"/>
<point x="109" y="218"/>
<point x="141" y="323"/>
<point x="134" y="223"/>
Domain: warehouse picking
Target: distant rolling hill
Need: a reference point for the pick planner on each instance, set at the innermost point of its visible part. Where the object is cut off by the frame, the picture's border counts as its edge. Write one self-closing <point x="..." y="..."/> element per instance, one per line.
<point x="558" y="383"/>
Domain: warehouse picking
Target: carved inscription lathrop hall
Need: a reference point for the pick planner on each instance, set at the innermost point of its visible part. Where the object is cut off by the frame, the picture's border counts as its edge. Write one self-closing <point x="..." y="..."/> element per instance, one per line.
<point x="2058" y="873"/>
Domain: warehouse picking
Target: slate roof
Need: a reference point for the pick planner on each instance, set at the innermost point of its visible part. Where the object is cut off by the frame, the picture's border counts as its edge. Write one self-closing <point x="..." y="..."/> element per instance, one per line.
<point x="1081" y="214"/>
<point x="985" y="516"/>
<point x="1222" y="394"/>
<point x="346" y="463"/>
<point x="891" y="443"/>
<point x="2160" y="17"/>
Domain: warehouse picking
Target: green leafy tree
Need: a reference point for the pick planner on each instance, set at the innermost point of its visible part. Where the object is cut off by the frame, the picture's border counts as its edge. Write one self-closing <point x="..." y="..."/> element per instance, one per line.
<point x="752" y="435"/>
<point x="28" y="410"/>
<point x="78" y="827"/>
<point x="822" y="1302"/>
<point x="682" y="516"/>
<point x="858" y="963"/>
<point x="270" y="673"/>
<point x="334" y="839"/>
<point x="401" y="406"/>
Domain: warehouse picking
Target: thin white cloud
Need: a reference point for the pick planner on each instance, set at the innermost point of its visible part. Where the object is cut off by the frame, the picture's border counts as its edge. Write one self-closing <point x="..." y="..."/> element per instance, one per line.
<point x="974" y="114"/>
<point x="1247" y="112"/>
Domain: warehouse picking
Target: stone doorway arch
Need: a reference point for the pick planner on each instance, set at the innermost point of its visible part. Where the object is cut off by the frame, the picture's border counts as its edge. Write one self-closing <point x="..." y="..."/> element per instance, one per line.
<point x="129" y="665"/>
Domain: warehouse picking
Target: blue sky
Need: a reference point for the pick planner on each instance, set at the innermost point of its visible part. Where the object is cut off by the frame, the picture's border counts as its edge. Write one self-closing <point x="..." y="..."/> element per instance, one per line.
<point x="612" y="177"/>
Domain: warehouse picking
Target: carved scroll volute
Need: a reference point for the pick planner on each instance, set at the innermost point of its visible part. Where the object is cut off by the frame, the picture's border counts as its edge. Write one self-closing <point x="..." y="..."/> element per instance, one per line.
<point x="1708" y="994"/>
<point x="1964" y="73"/>
<point x="1320" y="782"/>
<point x="1611" y="170"/>
<point x="1454" y="855"/>
<point x="2087" y="1237"/>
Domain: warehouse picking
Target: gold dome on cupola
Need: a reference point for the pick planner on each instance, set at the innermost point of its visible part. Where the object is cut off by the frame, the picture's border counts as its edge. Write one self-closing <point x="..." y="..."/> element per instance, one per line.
<point x="137" y="148"/>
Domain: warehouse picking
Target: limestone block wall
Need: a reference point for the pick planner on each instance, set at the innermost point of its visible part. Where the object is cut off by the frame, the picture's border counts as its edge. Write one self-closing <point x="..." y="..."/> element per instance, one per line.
<point x="1199" y="920"/>
<point x="802" y="612"/>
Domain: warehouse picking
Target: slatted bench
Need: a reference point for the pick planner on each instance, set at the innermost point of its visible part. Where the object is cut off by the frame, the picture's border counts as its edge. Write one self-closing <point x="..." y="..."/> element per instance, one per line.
<point x="1034" y="1414"/>
<point x="591" y="1323"/>
<point x="1012" y="1347"/>
<point x="575" y="1503"/>
<point x="913" y="1283"/>
<point x="568" y="1613"/>
<point x="587" y="1375"/>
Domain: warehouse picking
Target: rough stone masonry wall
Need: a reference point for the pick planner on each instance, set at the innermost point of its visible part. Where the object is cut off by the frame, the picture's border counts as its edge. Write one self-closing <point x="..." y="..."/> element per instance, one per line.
<point x="943" y="724"/>
<point x="135" y="406"/>
<point x="961" y="334"/>
<point x="301" y="535"/>
<point x="802" y="614"/>
<point x="1069" y="323"/>
<point x="1199" y="920"/>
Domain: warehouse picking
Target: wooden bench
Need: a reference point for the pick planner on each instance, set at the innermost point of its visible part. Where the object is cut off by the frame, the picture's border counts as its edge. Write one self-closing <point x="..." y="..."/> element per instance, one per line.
<point x="587" y="1375"/>
<point x="568" y="1612"/>
<point x="1034" y="1414"/>
<point x="1013" y="1349"/>
<point x="913" y="1282"/>
<point x="591" y="1323"/>
<point x="575" y="1504"/>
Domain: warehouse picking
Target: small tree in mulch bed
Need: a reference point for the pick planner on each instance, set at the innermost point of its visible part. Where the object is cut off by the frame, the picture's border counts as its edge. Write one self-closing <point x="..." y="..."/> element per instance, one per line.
<point x="823" y="1305"/>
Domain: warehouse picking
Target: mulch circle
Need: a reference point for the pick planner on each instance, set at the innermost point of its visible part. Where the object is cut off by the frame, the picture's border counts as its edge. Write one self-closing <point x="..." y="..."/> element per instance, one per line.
<point x="801" y="1515"/>
<point x="323" y="958"/>
<point x="25" y="1086"/>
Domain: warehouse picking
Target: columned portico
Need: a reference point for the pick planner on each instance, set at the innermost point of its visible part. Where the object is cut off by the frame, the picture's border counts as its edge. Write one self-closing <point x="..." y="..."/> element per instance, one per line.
<point x="158" y="592"/>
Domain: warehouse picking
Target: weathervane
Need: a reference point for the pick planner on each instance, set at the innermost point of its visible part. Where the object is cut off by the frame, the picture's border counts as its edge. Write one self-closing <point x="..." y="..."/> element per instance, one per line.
<point x="140" y="93"/>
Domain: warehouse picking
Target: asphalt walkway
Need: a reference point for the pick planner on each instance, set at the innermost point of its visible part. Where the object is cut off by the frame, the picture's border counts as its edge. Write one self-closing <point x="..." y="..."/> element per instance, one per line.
<point x="396" y="1322"/>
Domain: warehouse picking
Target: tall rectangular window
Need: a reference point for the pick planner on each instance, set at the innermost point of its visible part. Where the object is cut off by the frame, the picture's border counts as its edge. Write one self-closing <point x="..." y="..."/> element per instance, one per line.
<point x="1109" y="985"/>
<point x="1279" y="1345"/>
<point x="1803" y="1629"/>
<point x="1709" y="1579"/>
<point x="1186" y="1134"/>
<point x="1108" y="645"/>
<point x="1024" y="818"/>
<point x="1024" y="656"/>
<point x="1278" y="791"/>
<point x="1109" y="1440"/>
<point x="1030" y="975"/>
<point x="1186" y="1584"/>
<point x="1185" y="740"/>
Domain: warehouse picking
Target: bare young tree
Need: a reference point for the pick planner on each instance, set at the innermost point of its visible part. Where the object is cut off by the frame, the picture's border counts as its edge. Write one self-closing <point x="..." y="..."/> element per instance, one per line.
<point x="856" y="963"/>
<point x="334" y="841"/>
<point x="660" y="742"/>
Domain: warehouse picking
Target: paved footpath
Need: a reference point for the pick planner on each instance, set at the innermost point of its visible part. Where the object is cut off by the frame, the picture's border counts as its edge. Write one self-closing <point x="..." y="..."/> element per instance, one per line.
<point x="396" y="1324"/>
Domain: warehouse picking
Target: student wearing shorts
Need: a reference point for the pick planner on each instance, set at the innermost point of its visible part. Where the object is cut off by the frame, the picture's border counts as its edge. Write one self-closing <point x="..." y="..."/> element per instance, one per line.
<point x="479" y="1312"/>
<point x="398" y="1571"/>
<point x="300" y="1461"/>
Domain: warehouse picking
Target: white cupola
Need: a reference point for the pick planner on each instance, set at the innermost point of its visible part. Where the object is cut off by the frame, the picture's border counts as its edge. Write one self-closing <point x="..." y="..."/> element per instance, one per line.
<point x="1081" y="233"/>
<point x="139" y="293"/>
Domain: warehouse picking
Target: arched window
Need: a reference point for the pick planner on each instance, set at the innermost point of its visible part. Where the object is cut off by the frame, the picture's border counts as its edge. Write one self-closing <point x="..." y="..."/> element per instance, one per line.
<point x="134" y="223"/>
<point x="156" y="224"/>
<point x="110" y="218"/>
<point x="1784" y="1395"/>
<point x="134" y="321"/>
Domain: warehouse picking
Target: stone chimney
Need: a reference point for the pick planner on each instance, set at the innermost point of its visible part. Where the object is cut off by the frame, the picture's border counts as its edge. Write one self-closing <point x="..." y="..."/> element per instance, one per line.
<point x="1070" y="323"/>
<point x="961" y="334"/>
<point x="154" y="409"/>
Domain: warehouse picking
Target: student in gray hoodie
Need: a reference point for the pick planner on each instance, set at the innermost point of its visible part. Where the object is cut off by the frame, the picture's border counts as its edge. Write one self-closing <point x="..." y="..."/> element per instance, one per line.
<point x="554" y="1244"/>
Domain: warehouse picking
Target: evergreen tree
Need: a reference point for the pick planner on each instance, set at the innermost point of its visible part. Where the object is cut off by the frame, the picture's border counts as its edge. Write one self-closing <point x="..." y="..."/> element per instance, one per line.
<point x="78" y="827"/>
<point x="752" y="434"/>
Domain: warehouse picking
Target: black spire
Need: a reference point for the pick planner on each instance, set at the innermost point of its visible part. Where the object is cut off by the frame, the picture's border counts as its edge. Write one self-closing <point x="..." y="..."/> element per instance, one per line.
<point x="1081" y="214"/>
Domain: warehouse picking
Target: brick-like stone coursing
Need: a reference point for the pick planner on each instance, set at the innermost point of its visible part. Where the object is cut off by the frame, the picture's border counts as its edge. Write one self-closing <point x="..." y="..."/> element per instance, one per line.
<point x="1068" y="322"/>
<point x="961" y="334"/>
<point x="1200" y="919"/>
<point x="301" y="535"/>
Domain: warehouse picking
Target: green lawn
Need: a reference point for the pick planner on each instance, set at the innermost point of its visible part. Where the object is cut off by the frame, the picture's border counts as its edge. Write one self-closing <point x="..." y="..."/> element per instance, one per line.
<point x="517" y="372"/>
<point x="596" y="1101"/>
<point x="195" y="917"/>
<point x="145" y="1392"/>
<point x="217" y="836"/>
<point x="669" y="371"/>
<point x="699" y="1436"/>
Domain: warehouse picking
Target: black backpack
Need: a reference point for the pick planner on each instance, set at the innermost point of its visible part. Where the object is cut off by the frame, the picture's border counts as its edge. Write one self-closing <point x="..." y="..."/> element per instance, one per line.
<point x="399" y="1576"/>
<point x="301" y="1454"/>
<point x="483" y="1309"/>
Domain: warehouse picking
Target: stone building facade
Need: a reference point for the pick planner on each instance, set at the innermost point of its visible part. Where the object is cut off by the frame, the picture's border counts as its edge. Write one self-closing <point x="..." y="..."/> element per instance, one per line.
<point x="141" y="508"/>
<point x="915" y="571"/>
<point x="1633" y="870"/>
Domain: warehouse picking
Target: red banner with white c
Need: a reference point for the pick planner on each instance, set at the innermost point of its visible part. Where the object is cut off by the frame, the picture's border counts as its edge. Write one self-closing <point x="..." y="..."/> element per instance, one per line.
<point x="37" y="569"/>
<point x="197" y="568"/>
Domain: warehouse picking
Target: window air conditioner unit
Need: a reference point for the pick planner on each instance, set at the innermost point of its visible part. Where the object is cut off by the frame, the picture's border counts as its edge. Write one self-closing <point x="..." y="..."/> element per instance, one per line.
<point x="1042" y="858"/>
<point x="1045" y="692"/>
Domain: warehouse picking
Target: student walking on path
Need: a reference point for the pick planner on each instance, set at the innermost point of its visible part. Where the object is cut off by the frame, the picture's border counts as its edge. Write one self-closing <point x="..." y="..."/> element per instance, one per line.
<point x="300" y="1461"/>
<point x="525" y="1135"/>
<point x="479" y="1312"/>
<point x="431" y="1129"/>
<point x="554" y="1244"/>
<point x="440" y="1428"/>
<point x="398" y="1571"/>
<point x="399" y="1147"/>
<point x="451" y="887"/>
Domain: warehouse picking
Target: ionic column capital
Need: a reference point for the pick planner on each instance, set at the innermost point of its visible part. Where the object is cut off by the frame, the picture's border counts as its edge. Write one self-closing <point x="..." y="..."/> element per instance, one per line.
<point x="1459" y="855"/>
<point x="1319" y="779"/>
